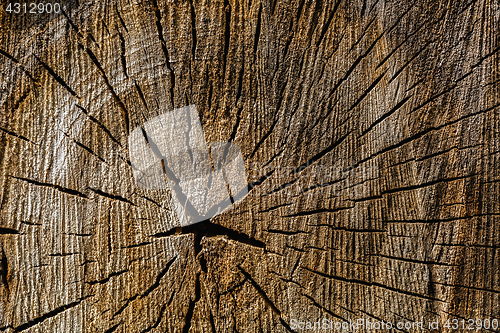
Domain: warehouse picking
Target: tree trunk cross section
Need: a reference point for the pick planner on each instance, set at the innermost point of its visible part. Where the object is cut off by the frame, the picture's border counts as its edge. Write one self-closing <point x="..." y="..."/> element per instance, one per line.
<point x="369" y="130"/>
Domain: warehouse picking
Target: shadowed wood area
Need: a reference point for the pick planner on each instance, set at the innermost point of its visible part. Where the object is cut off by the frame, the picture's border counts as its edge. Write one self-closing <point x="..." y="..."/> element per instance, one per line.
<point x="370" y="131"/>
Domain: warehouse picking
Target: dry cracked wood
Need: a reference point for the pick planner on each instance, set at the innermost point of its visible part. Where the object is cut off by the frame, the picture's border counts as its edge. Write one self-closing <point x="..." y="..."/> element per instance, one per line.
<point x="370" y="132"/>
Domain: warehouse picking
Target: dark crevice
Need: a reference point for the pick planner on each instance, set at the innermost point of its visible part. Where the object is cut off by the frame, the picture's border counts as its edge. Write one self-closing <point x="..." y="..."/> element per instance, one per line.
<point x="373" y="6"/>
<point x="58" y="78"/>
<point x="135" y="245"/>
<point x="257" y="31"/>
<point x="396" y="74"/>
<point x="365" y="54"/>
<point x="483" y="58"/>
<point x="295" y="266"/>
<point x="421" y="134"/>
<point x="339" y="278"/>
<point x="94" y="120"/>
<point x="351" y="69"/>
<point x="233" y="288"/>
<point x="159" y="27"/>
<point x="326" y="249"/>
<point x="171" y="298"/>
<point x="113" y="328"/>
<point x="387" y="57"/>
<point x="281" y="187"/>
<point x="212" y="323"/>
<point x="372" y="284"/>
<point x="265" y="298"/>
<point x="111" y="196"/>
<point x="158" y="320"/>
<point x="367" y="91"/>
<point x="14" y="60"/>
<point x="320" y="154"/>
<point x="81" y="145"/>
<point x="131" y="299"/>
<point x="363" y="34"/>
<point x="56" y="187"/>
<point x="319" y="211"/>
<point x="21" y="100"/>
<point x="45" y="265"/>
<point x="63" y="254"/>
<point x="236" y="125"/>
<point x="320" y="119"/>
<point x="291" y="247"/>
<point x="299" y="12"/>
<point x="286" y="232"/>
<point x="288" y="280"/>
<point x="77" y="234"/>
<point x="188" y="206"/>
<point x="16" y="135"/>
<point x="83" y="263"/>
<point x="268" y="133"/>
<point x="154" y="202"/>
<point x="419" y="81"/>
<point x="363" y="9"/>
<point x="330" y="183"/>
<point x="156" y="284"/>
<point x="273" y="157"/>
<point x="328" y="22"/>
<point x="431" y="183"/>
<point x="469" y="287"/>
<point x="73" y="25"/>
<point x="275" y="207"/>
<point x="193" y="30"/>
<point x="107" y="278"/>
<point x="122" y="56"/>
<point x="385" y="115"/>
<point x="274" y="3"/>
<point x="260" y="291"/>
<point x="260" y="180"/>
<point x="316" y="304"/>
<point x="414" y="261"/>
<point x="449" y="219"/>
<point x="189" y="150"/>
<point x="192" y="304"/>
<point x="48" y="315"/>
<point x="209" y="229"/>
<point x="8" y="231"/>
<point x="281" y="96"/>
<point x="370" y="198"/>
<point x="30" y="223"/>
<point x="426" y="157"/>
<point x="93" y="39"/>
<point x="455" y="83"/>
<point x="121" y="19"/>
<point x="210" y="94"/>
<point x="106" y="27"/>
<point x="118" y="101"/>
<point x="8" y="56"/>
<point x="240" y="109"/>
<point x="4" y="272"/>
<point x="227" y="37"/>
<point x="141" y="95"/>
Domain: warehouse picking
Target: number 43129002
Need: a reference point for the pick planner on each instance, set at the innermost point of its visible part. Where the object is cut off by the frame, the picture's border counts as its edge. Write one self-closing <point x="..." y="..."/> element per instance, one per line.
<point x="33" y="8"/>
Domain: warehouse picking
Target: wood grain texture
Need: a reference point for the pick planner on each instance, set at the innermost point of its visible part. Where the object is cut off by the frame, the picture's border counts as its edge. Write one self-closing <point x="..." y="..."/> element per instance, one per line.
<point x="370" y="132"/>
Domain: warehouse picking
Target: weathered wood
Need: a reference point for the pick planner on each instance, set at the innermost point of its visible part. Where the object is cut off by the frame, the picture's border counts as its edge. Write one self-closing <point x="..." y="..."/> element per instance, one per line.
<point x="370" y="132"/>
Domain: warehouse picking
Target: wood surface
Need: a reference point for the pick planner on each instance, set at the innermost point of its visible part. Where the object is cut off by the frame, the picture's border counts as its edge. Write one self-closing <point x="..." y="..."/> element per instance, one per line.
<point x="370" y="133"/>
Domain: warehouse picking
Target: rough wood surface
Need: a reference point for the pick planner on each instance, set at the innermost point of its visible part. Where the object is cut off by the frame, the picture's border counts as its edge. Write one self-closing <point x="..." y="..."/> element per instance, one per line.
<point x="370" y="132"/>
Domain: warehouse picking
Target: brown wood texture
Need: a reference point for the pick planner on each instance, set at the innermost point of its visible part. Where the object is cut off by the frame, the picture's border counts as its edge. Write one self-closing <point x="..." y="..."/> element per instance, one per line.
<point x="370" y="133"/>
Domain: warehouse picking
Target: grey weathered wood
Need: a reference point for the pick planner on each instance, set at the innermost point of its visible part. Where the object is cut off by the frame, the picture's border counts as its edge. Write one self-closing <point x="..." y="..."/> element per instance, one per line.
<point x="391" y="108"/>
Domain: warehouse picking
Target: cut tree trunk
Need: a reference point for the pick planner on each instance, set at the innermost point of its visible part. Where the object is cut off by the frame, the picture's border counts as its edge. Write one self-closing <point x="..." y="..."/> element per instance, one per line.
<point x="370" y="135"/>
